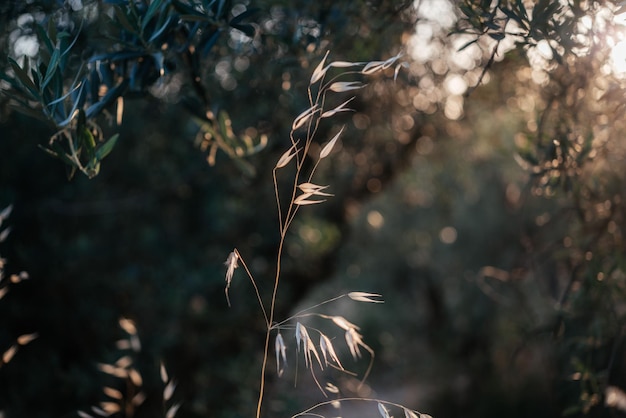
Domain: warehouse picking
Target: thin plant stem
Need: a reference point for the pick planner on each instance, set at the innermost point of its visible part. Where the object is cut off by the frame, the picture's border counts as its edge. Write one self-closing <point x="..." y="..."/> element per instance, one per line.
<point x="256" y="288"/>
<point x="269" y="328"/>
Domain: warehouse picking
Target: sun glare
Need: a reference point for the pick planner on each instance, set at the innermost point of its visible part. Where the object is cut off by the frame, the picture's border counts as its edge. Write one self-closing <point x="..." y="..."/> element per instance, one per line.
<point x="618" y="50"/>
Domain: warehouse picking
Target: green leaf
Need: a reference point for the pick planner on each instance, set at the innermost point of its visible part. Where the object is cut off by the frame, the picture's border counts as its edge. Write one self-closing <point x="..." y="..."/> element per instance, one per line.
<point x="111" y="95"/>
<point x="123" y="20"/>
<point x="159" y="31"/>
<point x="45" y="37"/>
<point x="107" y="147"/>
<point x="52" y="67"/>
<point x="71" y="114"/>
<point x="152" y="9"/>
<point x="23" y="77"/>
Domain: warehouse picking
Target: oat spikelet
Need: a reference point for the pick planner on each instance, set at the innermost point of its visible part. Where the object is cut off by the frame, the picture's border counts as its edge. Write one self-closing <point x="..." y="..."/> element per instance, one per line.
<point x="231" y="265"/>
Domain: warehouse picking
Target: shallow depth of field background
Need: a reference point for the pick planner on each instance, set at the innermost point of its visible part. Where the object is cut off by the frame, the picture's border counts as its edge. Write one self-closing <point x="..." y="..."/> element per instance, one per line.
<point x="503" y="277"/>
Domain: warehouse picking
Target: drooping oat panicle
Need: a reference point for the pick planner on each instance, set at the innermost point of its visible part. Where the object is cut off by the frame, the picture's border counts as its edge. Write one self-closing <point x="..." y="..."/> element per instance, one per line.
<point x="231" y="265"/>
<point x="354" y="340"/>
<point x="281" y="354"/>
<point x="328" y="351"/>
<point x="302" y="335"/>
<point x="343" y="323"/>
<point x="411" y="414"/>
<point x="383" y="411"/>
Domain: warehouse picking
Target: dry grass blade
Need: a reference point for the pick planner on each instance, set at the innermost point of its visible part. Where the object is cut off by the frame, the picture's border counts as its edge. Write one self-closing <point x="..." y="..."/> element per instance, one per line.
<point x="110" y="407"/>
<point x="341" y="108"/>
<point x="231" y="265"/>
<point x="124" y="362"/>
<point x="383" y="411"/>
<point x="82" y="414"/>
<point x="3" y="292"/>
<point x="112" y="393"/>
<point x="354" y="339"/>
<point x="171" y="412"/>
<point x="99" y="411"/>
<point x="344" y="64"/>
<point x="4" y="234"/>
<point x="329" y="147"/>
<point x="135" y="343"/>
<point x="8" y="355"/>
<point x="327" y="348"/>
<point x="281" y="354"/>
<point x="304" y="117"/>
<point x="398" y="68"/>
<point x="112" y="370"/>
<point x="366" y="297"/>
<point x="168" y="392"/>
<point x="341" y="86"/>
<point x="313" y="189"/>
<point x="303" y="200"/>
<point x="163" y="373"/>
<point x="128" y="326"/>
<point x="331" y="388"/>
<point x="343" y="323"/>
<point x="411" y="414"/>
<point x="135" y="377"/>
<point x="319" y="71"/>
<point x="287" y="156"/>
<point x="26" y="338"/>
<point x="372" y="66"/>
<point x="300" y="334"/>
<point x="138" y="399"/>
<point x="5" y="213"/>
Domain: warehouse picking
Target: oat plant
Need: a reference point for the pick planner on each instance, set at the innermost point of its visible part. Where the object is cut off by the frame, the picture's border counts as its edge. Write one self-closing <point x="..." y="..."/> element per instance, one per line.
<point x="126" y="393"/>
<point x="318" y="348"/>
<point x="5" y="282"/>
